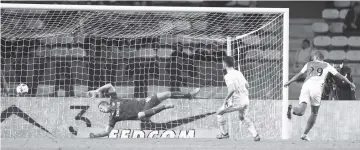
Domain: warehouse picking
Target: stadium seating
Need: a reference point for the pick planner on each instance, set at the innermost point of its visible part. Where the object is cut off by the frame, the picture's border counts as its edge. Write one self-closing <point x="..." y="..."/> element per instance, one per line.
<point x="58" y="52"/>
<point x="322" y="41"/>
<point x="301" y="31"/>
<point x="329" y="35"/>
<point x="252" y="40"/>
<point x="339" y="41"/>
<point x="164" y="52"/>
<point x="354" y="42"/>
<point x="254" y="54"/>
<point x="150" y="53"/>
<point x="77" y="51"/>
<point x="295" y="44"/>
<point x="199" y="25"/>
<point x="341" y="4"/>
<point x="353" y="55"/>
<point x="337" y="55"/>
<point x="320" y="27"/>
<point x="264" y="40"/>
<point x="343" y="13"/>
<point x="355" y="69"/>
<point x="182" y="25"/>
<point x="272" y="54"/>
<point x="330" y="14"/>
<point x="337" y="27"/>
<point x="63" y="38"/>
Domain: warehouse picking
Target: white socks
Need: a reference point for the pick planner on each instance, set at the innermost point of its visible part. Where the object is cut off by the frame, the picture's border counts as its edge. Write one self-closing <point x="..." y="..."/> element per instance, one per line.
<point x="250" y="126"/>
<point x="222" y="122"/>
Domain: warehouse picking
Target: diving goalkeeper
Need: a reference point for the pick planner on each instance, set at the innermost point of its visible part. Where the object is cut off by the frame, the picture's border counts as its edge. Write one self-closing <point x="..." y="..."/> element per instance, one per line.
<point x="127" y="109"/>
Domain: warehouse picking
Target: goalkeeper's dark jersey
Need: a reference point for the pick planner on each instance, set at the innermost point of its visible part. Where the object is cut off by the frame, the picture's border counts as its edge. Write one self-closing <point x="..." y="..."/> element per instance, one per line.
<point x="125" y="109"/>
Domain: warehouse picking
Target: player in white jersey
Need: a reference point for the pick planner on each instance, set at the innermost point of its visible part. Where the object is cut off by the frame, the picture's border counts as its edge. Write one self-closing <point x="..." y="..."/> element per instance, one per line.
<point x="237" y="99"/>
<point x="311" y="91"/>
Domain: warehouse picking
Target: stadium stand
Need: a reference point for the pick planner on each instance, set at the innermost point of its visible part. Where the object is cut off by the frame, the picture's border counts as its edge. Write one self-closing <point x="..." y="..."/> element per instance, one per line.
<point x="330" y="36"/>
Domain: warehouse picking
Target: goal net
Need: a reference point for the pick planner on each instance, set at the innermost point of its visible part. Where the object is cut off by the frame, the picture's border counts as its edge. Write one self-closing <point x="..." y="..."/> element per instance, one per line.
<point x="61" y="52"/>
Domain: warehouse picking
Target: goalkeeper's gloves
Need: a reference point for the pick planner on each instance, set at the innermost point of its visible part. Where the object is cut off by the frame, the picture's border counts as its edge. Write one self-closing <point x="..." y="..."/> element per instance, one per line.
<point x="93" y="93"/>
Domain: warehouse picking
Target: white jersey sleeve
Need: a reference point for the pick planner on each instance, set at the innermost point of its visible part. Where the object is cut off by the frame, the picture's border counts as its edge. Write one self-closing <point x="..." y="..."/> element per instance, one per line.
<point x="303" y="70"/>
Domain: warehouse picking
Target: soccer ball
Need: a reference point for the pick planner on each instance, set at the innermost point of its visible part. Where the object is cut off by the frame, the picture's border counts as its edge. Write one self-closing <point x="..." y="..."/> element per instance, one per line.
<point x="22" y="89"/>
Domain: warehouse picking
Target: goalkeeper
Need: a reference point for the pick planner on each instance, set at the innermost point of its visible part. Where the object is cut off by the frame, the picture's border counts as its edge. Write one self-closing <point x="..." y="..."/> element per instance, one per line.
<point x="126" y="109"/>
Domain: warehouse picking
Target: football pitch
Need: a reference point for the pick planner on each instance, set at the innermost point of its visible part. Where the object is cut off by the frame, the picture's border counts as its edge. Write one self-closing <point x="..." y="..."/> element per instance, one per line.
<point x="171" y="144"/>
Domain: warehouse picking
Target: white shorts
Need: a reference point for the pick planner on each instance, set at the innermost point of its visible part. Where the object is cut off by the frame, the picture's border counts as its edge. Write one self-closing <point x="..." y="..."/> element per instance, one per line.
<point x="311" y="94"/>
<point x="232" y="108"/>
<point x="240" y="104"/>
<point x="241" y="100"/>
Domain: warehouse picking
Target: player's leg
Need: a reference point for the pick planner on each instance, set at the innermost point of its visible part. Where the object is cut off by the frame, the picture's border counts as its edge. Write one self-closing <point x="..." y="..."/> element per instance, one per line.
<point x="315" y="105"/>
<point x="247" y="123"/>
<point x="152" y="106"/>
<point x="312" y="119"/>
<point x="222" y="121"/>
<point x="177" y="95"/>
<point x="152" y="111"/>
<point x="304" y="99"/>
<point x="300" y="109"/>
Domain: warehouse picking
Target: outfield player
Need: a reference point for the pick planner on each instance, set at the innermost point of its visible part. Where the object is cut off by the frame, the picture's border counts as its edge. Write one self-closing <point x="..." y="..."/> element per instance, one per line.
<point x="312" y="88"/>
<point x="237" y="99"/>
<point x="127" y="109"/>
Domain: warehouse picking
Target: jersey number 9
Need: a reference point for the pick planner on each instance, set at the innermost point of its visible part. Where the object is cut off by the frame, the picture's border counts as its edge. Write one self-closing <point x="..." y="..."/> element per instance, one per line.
<point x="319" y="72"/>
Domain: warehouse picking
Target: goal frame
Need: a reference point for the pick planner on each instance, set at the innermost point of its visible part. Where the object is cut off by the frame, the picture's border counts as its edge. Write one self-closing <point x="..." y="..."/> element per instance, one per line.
<point x="286" y="126"/>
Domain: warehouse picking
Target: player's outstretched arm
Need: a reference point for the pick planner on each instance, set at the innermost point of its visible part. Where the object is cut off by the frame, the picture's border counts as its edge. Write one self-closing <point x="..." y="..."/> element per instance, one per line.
<point x="333" y="71"/>
<point x="106" y="132"/>
<point x="297" y="76"/>
<point x="106" y="88"/>
<point x="352" y="85"/>
<point x="293" y="79"/>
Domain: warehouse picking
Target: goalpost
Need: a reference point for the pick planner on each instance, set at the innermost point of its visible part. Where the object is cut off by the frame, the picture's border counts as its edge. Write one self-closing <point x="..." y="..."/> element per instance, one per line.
<point x="112" y="41"/>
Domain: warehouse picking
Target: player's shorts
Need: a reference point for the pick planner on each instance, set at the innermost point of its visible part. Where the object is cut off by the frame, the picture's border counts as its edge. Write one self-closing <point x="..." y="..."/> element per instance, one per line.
<point x="151" y="102"/>
<point x="239" y="104"/>
<point x="241" y="100"/>
<point x="311" y="94"/>
<point x="243" y="109"/>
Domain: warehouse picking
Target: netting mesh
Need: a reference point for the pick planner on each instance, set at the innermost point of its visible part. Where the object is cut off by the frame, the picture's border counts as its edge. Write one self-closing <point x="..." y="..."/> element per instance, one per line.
<point x="44" y="23"/>
<point x="66" y="53"/>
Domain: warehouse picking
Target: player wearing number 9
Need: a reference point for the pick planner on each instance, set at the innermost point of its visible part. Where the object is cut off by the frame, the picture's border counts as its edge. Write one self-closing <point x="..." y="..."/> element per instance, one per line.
<point x="311" y="91"/>
<point x="127" y="109"/>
